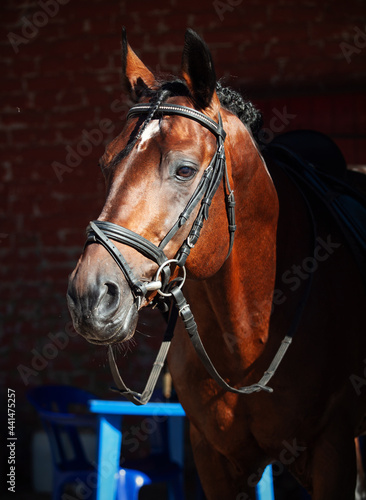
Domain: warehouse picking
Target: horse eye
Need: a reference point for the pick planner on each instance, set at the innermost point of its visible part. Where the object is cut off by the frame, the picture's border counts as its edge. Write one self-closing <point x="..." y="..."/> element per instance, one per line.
<point x="185" y="172"/>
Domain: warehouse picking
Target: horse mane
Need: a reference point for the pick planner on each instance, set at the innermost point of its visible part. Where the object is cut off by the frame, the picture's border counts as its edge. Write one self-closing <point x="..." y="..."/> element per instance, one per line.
<point x="230" y="99"/>
<point x="244" y="110"/>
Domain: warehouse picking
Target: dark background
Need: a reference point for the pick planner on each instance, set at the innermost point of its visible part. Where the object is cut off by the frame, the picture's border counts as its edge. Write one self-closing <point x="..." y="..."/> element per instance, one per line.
<point x="303" y="63"/>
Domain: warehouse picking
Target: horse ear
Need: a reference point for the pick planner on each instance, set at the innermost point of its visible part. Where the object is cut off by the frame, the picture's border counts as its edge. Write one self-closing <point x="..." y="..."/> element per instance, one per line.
<point x="135" y="76"/>
<point x="198" y="70"/>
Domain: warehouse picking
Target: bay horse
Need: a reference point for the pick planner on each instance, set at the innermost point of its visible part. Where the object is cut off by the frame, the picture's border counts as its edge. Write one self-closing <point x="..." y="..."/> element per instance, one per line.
<point x="287" y="277"/>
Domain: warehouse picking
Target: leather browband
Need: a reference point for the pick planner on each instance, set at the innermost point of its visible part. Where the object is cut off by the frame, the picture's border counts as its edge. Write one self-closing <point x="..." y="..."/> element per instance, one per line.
<point x="176" y="109"/>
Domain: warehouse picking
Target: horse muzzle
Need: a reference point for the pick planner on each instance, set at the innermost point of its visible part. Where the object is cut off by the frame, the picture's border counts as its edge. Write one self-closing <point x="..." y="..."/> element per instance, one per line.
<point x="101" y="305"/>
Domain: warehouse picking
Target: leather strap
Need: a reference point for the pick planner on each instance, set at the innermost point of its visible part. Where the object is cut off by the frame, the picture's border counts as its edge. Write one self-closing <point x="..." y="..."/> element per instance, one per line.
<point x="100" y="232"/>
<point x="142" y="398"/>
<point x="176" y="109"/>
<point x="98" y="236"/>
<point x="186" y="314"/>
<point x="191" y="205"/>
<point x="130" y="238"/>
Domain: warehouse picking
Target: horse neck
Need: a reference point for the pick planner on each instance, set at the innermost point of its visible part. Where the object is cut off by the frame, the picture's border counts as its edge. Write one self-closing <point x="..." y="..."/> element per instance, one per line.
<point x="238" y="298"/>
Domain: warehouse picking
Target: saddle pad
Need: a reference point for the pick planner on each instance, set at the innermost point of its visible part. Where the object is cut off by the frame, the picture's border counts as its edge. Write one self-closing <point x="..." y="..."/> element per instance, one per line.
<point x="346" y="204"/>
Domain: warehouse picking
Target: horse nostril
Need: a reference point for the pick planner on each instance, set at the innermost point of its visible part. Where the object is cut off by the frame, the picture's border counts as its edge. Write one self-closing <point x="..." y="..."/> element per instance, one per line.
<point x="112" y="290"/>
<point x="109" y="300"/>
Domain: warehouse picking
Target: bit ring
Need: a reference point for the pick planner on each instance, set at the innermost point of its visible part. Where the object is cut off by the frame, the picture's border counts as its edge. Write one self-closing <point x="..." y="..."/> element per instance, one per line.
<point x="158" y="272"/>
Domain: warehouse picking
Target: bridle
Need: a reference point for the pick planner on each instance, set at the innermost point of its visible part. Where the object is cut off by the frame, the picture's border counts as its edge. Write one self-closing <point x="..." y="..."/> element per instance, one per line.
<point x="170" y="291"/>
<point x="102" y="231"/>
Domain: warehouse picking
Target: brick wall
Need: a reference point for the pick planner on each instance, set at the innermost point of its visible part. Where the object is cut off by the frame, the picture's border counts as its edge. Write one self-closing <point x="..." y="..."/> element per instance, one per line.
<point x="60" y="83"/>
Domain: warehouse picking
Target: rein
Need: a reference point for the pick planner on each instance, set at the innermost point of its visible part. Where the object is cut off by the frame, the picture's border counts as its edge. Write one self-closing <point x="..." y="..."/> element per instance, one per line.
<point x="170" y="292"/>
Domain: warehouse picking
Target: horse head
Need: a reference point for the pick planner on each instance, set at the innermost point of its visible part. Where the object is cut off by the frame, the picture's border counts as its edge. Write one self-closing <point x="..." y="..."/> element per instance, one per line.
<point x="155" y="172"/>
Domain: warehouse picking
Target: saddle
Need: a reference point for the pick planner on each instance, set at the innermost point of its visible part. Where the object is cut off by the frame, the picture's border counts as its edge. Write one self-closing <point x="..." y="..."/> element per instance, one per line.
<point x="315" y="162"/>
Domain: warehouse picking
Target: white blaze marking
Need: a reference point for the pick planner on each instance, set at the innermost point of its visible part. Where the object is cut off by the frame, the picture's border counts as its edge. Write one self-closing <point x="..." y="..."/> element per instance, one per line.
<point x="152" y="128"/>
